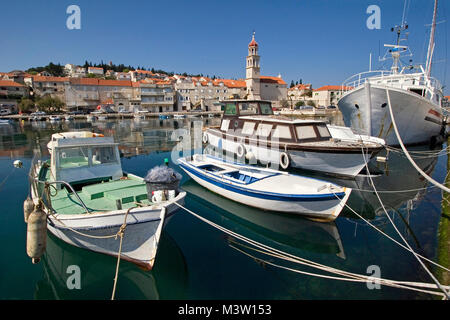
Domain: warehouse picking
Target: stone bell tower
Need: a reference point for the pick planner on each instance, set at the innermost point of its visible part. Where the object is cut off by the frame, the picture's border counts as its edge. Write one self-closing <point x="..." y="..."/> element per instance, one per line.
<point x="252" y="79"/>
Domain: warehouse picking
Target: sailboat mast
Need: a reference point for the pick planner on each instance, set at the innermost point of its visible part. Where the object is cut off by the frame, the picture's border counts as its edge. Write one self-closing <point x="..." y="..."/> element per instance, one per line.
<point x="431" y="43"/>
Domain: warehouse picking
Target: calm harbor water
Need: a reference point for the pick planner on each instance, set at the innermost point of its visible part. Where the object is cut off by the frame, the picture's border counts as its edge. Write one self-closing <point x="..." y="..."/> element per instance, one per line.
<point x="196" y="261"/>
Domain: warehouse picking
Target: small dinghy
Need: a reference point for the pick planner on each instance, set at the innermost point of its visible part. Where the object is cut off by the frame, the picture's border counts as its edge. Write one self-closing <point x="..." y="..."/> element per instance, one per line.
<point x="268" y="189"/>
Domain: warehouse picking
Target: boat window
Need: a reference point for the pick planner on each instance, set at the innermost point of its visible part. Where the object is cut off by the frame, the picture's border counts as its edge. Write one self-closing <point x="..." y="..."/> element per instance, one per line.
<point x="103" y="155"/>
<point x="263" y="130"/>
<point x="418" y="91"/>
<point x="282" y="132"/>
<point x="248" y="128"/>
<point x="73" y="157"/>
<point x="323" y="131"/>
<point x="246" y="108"/>
<point x="225" y="125"/>
<point x="305" y="132"/>
<point x="230" y="109"/>
<point x="266" y="108"/>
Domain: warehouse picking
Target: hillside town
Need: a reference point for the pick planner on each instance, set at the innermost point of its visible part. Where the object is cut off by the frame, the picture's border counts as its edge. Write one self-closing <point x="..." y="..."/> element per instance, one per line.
<point x="86" y="89"/>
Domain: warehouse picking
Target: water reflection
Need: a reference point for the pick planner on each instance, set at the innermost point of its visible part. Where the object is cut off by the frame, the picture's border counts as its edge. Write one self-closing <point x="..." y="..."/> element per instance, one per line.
<point x="292" y="232"/>
<point x="97" y="274"/>
<point x="398" y="183"/>
<point x="401" y="189"/>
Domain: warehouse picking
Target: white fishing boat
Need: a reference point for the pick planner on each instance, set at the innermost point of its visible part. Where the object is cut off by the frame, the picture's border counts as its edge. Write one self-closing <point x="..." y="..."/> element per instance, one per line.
<point x="415" y="98"/>
<point x="90" y="117"/>
<point x="5" y="121"/>
<point x="68" y="117"/>
<point x="267" y="189"/>
<point x="89" y="199"/>
<point x="249" y="129"/>
<point x="179" y="116"/>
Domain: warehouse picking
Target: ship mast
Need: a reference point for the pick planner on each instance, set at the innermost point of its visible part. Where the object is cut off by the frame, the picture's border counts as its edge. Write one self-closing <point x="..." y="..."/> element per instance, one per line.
<point x="397" y="49"/>
<point x="431" y="43"/>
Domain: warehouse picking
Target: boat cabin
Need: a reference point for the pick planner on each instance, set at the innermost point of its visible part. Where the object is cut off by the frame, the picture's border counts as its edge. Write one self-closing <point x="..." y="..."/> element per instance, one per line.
<point x="255" y="119"/>
<point x="84" y="157"/>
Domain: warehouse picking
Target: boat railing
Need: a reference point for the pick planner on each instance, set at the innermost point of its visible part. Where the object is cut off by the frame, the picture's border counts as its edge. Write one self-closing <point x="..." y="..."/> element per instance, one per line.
<point x="400" y="80"/>
<point x="35" y="182"/>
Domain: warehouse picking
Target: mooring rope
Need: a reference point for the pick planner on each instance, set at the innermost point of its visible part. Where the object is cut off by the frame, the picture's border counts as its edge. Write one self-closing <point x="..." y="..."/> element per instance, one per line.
<point x="381" y="281"/>
<point x="292" y="258"/>
<point x="120" y="233"/>
<point x="439" y="185"/>
<point x="392" y="222"/>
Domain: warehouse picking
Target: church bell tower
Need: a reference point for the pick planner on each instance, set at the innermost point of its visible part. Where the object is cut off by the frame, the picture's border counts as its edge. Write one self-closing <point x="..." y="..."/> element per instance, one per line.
<point x="252" y="78"/>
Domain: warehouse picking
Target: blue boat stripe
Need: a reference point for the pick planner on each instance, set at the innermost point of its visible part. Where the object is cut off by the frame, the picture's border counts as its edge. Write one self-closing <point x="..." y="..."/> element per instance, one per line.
<point x="262" y="194"/>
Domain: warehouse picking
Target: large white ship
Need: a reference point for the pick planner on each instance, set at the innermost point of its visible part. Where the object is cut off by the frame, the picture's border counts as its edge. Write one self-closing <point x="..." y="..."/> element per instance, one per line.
<point x="415" y="98"/>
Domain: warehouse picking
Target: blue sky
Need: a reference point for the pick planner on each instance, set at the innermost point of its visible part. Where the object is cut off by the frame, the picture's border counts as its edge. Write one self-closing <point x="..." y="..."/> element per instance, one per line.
<point x="319" y="41"/>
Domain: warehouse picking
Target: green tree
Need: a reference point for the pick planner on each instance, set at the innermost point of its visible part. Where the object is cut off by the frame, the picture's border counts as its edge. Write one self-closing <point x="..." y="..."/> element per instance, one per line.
<point x="300" y="103"/>
<point x="292" y="84"/>
<point x="284" y="103"/>
<point x="311" y="103"/>
<point x="26" y="105"/>
<point x="50" y="104"/>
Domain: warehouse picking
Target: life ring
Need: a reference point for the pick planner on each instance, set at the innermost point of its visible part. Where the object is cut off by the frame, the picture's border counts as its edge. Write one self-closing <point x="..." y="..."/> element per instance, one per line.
<point x="284" y="160"/>
<point x="240" y="150"/>
<point x="205" y="138"/>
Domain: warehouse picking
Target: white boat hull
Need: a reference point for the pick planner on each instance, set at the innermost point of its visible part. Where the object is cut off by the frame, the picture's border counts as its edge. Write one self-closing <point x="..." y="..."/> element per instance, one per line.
<point x="417" y="119"/>
<point x="340" y="164"/>
<point x="141" y="235"/>
<point x="322" y="210"/>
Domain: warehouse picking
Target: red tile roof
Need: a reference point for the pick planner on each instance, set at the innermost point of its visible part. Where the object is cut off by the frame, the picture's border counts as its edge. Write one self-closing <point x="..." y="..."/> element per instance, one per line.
<point x="301" y="87"/>
<point x="114" y="83"/>
<point x="230" y="83"/>
<point x="108" y="101"/>
<point x="144" y="71"/>
<point x="267" y="79"/>
<point x="253" y="43"/>
<point x="49" y="79"/>
<point x="333" y="88"/>
<point x="9" y="83"/>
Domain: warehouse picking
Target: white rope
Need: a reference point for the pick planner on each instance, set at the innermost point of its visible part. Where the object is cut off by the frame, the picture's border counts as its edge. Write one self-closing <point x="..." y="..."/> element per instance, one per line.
<point x="392" y="222"/>
<point x="286" y="256"/>
<point x="389" y="237"/>
<point x="437" y="184"/>
<point x="395" y="284"/>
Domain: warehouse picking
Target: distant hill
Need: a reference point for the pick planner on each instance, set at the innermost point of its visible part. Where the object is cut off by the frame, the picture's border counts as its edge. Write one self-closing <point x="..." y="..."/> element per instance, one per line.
<point x="57" y="70"/>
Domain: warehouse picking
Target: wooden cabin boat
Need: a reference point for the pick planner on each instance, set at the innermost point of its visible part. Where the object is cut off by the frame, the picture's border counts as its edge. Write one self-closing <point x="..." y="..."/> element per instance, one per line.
<point x="88" y="198"/>
<point x="249" y="128"/>
<point x="267" y="189"/>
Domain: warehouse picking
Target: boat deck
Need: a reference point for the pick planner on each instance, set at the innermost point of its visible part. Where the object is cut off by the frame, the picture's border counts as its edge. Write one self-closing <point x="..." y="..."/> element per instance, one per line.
<point x="101" y="196"/>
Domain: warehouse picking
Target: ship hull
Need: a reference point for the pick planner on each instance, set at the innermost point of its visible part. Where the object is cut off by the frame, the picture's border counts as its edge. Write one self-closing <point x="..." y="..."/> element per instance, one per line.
<point x="366" y="110"/>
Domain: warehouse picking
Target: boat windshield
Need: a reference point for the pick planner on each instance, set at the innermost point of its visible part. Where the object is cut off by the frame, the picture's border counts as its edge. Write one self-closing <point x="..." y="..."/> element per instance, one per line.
<point x="266" y="109"/>
<point x="230" y="109"/>
<point x="77" y="157"/>
<point x="248" y="108"/>
<point x="73" y="157"/>
<point x="103" y="155"/>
